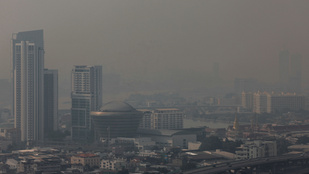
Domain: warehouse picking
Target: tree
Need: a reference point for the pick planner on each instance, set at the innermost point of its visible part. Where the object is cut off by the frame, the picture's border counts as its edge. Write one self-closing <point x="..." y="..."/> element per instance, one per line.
<point x="303" y="140"/>
<point x="230" y="146"/>
<point x="282" y="146"/>
<point x="211" y="143"/>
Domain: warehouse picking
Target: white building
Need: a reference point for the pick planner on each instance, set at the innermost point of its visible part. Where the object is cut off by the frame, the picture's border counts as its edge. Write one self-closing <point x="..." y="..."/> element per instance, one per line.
<point x="256" y="149"/>
<point x="86" y="96"/>
<point x="28" y="76"/>
<point x="170" y="138"/>
<point x="169" y="118"/>
<point x="113" y="164"/>
<point x="260" y="102"/>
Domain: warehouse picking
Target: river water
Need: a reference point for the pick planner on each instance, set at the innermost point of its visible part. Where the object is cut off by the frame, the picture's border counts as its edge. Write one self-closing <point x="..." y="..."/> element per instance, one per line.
<point x="190" y="123"/>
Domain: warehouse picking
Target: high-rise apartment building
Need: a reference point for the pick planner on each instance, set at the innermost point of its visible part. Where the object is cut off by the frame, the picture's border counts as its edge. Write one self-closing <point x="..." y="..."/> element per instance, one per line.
<point x="247" y="100"/>
<point x="169" y="118"/>
<point x="50" y="100"/>
<point x="86" y="96"/>
<point x="28" y="77"/>
<point x="260" y="102"/>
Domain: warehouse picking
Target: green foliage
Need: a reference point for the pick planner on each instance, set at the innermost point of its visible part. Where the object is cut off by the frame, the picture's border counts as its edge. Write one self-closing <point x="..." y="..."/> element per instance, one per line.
<point x="188" y="166"/>
<point x="303" y="140"/>
<point x="230" y="146"/>
<point x="282" y="146"/>
<point x="214" y="142"/>
<point x="211" y="143"/>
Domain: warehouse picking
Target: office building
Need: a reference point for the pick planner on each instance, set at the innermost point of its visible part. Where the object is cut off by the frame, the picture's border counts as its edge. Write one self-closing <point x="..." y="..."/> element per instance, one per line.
<point x="86" y="96"/>
<point x="50" y="101"/>
<point x="28" y="77"/>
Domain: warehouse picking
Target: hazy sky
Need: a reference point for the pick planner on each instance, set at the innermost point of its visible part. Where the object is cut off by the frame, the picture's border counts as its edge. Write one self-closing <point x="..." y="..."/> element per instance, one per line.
<point x="168" y="39"/>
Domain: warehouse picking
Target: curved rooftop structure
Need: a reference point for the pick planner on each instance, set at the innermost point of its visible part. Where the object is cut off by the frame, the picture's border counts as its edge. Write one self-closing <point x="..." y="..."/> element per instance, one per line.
<point x="116" y="119"/>
<point x="117" y="106"/>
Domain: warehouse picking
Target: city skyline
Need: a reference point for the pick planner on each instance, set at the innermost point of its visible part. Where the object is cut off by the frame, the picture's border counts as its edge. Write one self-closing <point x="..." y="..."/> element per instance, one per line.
<point x="162" y="42"/>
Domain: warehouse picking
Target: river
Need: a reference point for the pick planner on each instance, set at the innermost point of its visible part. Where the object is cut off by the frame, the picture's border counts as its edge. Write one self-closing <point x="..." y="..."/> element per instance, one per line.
<point x="189" y="123"/>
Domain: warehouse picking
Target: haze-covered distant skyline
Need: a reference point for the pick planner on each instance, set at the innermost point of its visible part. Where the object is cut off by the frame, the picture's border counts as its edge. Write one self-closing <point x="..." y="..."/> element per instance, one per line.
<point x="161" y="41"/>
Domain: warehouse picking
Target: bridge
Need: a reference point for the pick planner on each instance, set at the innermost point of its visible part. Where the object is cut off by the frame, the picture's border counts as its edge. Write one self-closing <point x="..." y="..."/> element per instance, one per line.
<point x="280" y="164"/>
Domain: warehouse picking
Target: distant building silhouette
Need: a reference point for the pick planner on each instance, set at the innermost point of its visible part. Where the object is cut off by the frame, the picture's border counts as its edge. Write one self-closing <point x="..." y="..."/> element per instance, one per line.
<point x="290" y="72"/>
<point x="5" y="92"/>
<point x="284" y="59"/>
<point x="245" y="85"/>
<point x="295" y="81"/>
<point x="28" y="77"/>
<point x="86" y="96"/>
<point x="50" y="100"/>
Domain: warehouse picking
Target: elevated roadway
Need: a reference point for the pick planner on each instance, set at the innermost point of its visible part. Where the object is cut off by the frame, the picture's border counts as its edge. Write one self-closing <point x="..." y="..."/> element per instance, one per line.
<point x="255" y="164"/>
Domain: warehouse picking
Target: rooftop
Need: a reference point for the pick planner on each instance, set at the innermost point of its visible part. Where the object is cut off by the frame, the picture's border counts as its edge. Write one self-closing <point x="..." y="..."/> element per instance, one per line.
<point x="117" y="106"/>
<point x="86" y="155"/>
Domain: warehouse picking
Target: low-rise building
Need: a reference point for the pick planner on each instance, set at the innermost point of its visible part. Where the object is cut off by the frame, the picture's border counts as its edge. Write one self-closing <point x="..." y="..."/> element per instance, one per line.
<point x="256" y="149"/>
<point x="113" y="164"/>
<point x="39" y="165"/>
<point x="170" y="138"/>
<point x="86" y="159"/>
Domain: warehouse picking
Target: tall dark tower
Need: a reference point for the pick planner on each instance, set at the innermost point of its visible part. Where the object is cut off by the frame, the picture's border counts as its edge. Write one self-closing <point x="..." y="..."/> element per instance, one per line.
<point x="295" y="80"/>
<point x="50" y="101"/>
<point x="284" y="57"/>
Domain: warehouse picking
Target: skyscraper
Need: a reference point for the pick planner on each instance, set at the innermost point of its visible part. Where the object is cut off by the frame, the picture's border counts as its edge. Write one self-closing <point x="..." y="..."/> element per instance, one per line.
<point x="28" y="76"/>
<point x="284" y="59"/>
<point x="284" y="65"/>
<point x="50" y="100"/>
<point x="295" y="80"/>
<point x="86" y="97"/>
<point x="290" y="72"/>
